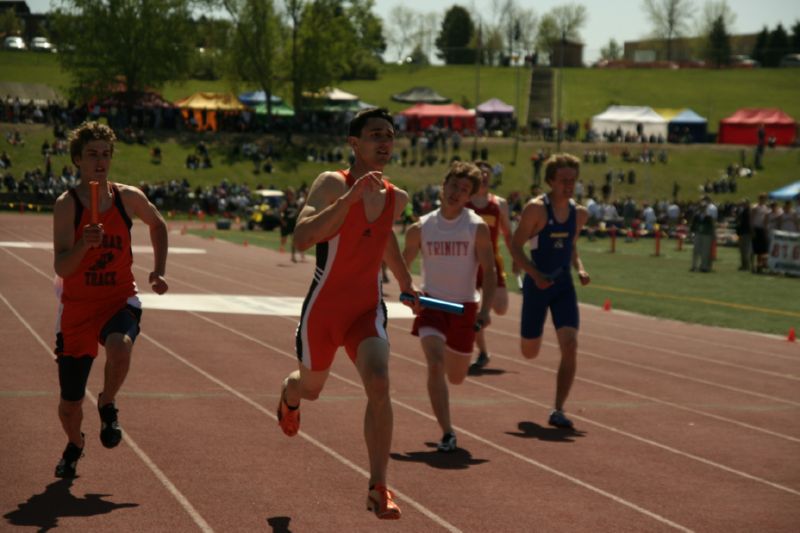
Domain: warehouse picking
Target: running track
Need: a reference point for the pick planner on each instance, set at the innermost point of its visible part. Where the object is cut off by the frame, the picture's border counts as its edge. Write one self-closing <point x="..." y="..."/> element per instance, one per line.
<point x="680" y="427"/>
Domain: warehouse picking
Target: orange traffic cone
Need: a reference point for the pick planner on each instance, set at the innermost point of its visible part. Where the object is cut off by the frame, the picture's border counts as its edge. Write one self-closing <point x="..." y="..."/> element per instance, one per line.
<point x="607" y="305"/>
<point x="791" y="337"/>
<point x="245" y="243"/>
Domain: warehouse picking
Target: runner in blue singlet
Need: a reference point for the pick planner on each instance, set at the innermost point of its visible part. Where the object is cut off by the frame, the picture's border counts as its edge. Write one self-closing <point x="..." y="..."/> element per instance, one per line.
<point x="551" y="224"/>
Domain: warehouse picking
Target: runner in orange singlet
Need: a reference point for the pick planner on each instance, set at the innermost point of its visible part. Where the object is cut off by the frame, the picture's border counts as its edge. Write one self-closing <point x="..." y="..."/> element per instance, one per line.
<point x="97" y="291"/>
<point x="349" y="216"/>
<point x="494" y="211"/>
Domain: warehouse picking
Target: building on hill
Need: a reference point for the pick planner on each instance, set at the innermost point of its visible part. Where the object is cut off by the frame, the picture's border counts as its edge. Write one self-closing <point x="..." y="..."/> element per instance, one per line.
<point x="572" y="54"/>
<point x="684" y="49"/>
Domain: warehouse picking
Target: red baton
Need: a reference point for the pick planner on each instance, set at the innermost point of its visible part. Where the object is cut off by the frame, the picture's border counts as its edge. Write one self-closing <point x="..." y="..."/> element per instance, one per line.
<point x="95" y="190"/>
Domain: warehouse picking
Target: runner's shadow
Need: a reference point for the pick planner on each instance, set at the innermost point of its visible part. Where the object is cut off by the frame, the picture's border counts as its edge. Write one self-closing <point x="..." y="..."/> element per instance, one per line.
<point x="43" y="510"/>
<point x="279" y="524"/>
<point x="459" y="459"/>
<point x="532" y="430"/>
<point x="474" y="371"/>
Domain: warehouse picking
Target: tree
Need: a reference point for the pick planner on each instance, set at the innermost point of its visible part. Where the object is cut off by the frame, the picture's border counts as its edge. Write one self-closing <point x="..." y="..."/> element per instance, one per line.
<point x="611" y="51"/>
<point x="560" y="22"/>
<point x="712" y="10"/>
<point x="369" y="43"/>
<point x="255" y="49"/>
<point x="10" y="24"/>
<point x="778" y="45"/>
<point x="402" y="28"/>
<point x="760" y="48"/>
<point x="139" y="43"/>
<point x="670" y="19"/>
<point x="718" y="47"/>
<point x="455" y="36"/>
<point x="796" y="37"/>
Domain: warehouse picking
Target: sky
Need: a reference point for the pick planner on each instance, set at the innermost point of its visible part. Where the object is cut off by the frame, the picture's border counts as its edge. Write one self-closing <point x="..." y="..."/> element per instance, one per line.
<point x="623" y="20"/>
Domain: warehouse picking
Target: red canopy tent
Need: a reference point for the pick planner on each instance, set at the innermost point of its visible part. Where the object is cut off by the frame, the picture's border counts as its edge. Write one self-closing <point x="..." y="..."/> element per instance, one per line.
<point x="451" y="116"/>
<point x="742" y="127"/>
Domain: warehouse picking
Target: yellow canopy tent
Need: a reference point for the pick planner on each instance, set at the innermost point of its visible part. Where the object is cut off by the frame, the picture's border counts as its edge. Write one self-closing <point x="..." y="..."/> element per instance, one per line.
<point x="205" y="106"/>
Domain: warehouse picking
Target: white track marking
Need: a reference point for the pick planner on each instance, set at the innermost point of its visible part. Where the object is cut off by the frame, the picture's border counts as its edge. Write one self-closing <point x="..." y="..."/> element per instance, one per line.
<point x="159" y="474"/>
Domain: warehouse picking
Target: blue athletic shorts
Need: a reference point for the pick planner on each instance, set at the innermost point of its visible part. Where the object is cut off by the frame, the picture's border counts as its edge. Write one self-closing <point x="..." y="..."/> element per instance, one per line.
<point x="560" y="298"/>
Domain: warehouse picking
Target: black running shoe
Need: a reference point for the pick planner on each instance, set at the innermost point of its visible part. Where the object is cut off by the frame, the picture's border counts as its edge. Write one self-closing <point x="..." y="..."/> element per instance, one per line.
<point x="69" y="461"/>
<point x="110" y="434"/>
<point x="480" y="362"/>
<point x="448" y="443"/>
<point x="559" y="419"/>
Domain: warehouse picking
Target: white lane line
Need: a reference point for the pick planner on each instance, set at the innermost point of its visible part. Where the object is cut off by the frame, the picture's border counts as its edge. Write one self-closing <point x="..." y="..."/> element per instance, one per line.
<point x="129" y="440"/>
<point x="137" y="249"/>
<point x="638" y="438"/>
<point x="651" y="348"/>
<point x="488" y="442"/>
<point x="667" y="373"/>
<point x="652" y="399"/>
<point x="330" y="451"/>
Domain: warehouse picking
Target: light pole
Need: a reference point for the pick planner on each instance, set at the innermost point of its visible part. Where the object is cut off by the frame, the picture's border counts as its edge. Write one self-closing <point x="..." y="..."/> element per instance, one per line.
<point x="560" y="89"/>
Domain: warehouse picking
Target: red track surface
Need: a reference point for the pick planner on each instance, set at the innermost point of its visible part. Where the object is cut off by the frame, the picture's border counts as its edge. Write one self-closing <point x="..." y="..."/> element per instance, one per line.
<point x="679" y="426"/>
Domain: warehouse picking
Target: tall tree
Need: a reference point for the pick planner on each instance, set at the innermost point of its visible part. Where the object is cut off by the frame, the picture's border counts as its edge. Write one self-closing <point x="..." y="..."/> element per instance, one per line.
<point x="777" y="46"/>
<point x="517" y="26"/>
<point x="369" y="42"/>
<point x="712" y="10"/>
<point x="718" y="46"/>
<point x="255" y="49"/>
<point x="141" y="43"/>
<point x="760" y="48"/>
<point x="560" y="22"/>
<point x="455" y="37"/>
<point x="670" y="19"/>
<point x="402" y="28"/>
<point x="796" y="37"/>
<point x="10" y="24"/>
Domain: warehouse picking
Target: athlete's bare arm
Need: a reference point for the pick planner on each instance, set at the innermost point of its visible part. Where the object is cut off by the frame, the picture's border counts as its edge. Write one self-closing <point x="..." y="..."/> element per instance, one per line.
<point x="413" y="242"/>
<point x="391" y="255"/>
<point x="581" y="216"/>
<point x="485" y="254"/>
<point x="136" y="202"/>
<point x="68" y="252"/>
<point x="531" y="222"/>
<point x="327" y="204"/>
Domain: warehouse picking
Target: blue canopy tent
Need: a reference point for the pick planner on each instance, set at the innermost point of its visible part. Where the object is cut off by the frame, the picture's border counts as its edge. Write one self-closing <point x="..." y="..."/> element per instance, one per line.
<point x="687" y="126"/>
<point x="252" y="99"/>
<point x="787" y="192"/>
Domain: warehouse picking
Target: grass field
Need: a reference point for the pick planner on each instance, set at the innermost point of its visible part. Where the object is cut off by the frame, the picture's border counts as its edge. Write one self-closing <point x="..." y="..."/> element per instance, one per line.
<point x="634" y="279"/>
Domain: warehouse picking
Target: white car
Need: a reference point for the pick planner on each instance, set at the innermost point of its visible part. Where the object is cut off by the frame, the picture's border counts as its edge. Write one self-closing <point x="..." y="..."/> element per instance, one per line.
<point x="14" y="43"/>
<point x="41" y="44"/>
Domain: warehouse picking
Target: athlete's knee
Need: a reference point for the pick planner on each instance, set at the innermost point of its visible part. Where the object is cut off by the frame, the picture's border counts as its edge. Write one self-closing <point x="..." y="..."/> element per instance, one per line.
<point x="68" y="409"/>
<point x="376" y="384"/>
<point x="118" y="346"/>
<point x="311" y="393"/>
<point x="530" y="347"/>
<point x="456" y="378"/>
<point x="568" y="343"/>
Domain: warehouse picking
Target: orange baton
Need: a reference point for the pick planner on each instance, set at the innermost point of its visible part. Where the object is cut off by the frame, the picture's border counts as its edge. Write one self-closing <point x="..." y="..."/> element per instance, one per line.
<point x="95" y="190"/>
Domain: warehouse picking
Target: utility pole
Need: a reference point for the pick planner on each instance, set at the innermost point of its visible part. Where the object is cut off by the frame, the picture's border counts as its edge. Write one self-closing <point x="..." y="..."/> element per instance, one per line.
<point x="477" y="85"/>
<point x="560" y="89"/>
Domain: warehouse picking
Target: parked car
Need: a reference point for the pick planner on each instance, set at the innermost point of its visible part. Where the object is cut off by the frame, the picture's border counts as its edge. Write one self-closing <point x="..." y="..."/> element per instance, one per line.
<point x="790" y="60"/>
<point x="744" y="61"/>
<point x="265" y="214"/>
<point x="13" y="42"/>
<point x="42" y="44"/>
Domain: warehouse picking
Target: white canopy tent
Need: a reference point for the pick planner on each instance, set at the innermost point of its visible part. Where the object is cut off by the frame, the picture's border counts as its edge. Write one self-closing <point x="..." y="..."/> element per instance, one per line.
<point x="627" y="118"/>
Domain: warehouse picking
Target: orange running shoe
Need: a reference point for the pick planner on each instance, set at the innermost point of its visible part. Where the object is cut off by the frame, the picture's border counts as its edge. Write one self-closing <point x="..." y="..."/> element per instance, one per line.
<point x="380" y="501"/>
<point x="288" y="418"/>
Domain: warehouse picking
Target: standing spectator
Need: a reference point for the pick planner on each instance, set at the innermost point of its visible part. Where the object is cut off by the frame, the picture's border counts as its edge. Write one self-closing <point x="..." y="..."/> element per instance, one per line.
<point x="790" y="220"/>
<point x="289" y="210"/>
<point x="744" y="231"/>
<point x="704" y="229"/>
<point x="758" y="216"/>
